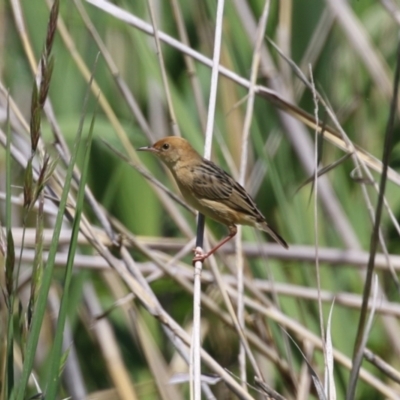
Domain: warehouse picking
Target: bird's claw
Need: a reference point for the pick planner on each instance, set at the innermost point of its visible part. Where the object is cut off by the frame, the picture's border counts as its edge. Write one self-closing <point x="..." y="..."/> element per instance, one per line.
<point x="199" y="255"/>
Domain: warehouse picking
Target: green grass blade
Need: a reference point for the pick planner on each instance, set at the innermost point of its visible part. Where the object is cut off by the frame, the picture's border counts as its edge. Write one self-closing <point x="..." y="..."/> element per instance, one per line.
<point x="40" y="309"/>
<point x="56" y="361"/>
<point x="38" y="313"/>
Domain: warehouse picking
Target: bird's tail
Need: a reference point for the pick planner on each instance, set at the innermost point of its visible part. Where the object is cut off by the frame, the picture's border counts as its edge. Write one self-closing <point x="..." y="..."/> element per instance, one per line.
<point x="266" y="228"/>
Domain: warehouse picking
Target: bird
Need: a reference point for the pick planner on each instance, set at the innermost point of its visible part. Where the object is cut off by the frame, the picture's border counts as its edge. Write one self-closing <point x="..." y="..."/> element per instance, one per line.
<point x="210" y="190"/>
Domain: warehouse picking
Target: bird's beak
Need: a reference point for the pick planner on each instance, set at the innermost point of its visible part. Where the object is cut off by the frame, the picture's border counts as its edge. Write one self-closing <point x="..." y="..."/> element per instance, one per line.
<point x="147" y="148"/>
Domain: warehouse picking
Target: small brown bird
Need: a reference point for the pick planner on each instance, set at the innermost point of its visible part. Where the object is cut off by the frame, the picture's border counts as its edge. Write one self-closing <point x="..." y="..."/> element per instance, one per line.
<point x="210" y="190"/>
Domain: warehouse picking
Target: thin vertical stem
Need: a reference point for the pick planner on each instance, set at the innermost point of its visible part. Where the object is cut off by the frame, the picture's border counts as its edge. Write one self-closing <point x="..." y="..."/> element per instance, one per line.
<point x="242" y="176"/>
<point x="196" y="390"/>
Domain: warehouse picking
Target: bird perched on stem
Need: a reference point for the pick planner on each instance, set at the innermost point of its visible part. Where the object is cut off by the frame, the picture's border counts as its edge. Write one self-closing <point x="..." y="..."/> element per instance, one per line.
<point x="210" y="190"/>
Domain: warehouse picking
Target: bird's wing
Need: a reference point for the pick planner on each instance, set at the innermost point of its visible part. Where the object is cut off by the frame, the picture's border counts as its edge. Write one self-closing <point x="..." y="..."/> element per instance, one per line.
<point x="213" y="183"/>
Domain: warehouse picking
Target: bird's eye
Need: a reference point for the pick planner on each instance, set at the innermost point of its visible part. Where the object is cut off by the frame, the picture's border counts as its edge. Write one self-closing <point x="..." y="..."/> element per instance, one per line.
<point x="165" y="146"/>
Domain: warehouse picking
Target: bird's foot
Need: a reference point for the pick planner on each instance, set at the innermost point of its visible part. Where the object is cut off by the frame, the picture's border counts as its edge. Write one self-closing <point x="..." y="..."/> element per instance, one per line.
<point x="199" y="255"/>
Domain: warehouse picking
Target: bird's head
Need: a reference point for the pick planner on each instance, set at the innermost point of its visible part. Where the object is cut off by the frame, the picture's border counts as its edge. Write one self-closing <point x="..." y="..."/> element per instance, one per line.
<point x="171" y="150"/>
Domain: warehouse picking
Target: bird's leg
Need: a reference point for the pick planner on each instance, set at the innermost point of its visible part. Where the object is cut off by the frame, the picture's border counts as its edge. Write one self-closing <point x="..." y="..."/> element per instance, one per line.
<point x="202" y="256"/>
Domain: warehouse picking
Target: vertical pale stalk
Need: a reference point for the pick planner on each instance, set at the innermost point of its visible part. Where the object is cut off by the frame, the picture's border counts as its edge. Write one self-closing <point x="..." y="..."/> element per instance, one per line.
<point x="242" y="176"/>
<point x="195" y="388"/>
